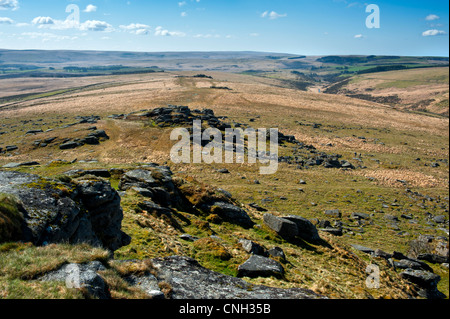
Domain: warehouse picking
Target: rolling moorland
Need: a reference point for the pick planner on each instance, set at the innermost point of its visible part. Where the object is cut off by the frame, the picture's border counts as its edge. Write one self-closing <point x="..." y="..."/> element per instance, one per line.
<point x="86" y="178"/>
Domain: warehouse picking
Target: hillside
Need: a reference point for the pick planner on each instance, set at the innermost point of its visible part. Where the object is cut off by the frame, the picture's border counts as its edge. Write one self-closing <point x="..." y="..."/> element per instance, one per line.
<point x="420" y="90"/>
<point x="371" y="178"/>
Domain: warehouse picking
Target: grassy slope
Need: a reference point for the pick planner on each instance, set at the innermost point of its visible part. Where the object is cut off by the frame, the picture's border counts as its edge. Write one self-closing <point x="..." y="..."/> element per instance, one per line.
<point x="419" y="89"/>
<point x="338" y="271"/>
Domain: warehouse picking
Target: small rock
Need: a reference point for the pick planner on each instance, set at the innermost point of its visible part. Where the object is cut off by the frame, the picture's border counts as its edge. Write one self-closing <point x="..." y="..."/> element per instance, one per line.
<point x="258" y="266"/>
<point x="283" y="227"/>
<point x="252" y="247"/>
<point x="333" y="213"/>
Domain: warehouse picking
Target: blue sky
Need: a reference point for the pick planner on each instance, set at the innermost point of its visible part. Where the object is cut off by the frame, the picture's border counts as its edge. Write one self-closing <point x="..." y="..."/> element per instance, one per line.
<point x="319" y="27"/>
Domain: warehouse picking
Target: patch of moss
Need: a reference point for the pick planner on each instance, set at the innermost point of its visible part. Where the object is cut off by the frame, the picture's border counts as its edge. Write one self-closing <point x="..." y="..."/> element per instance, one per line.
<point x="208" y="247"/>
<point x="11" y="219"/>
<point x="58" y="188"/>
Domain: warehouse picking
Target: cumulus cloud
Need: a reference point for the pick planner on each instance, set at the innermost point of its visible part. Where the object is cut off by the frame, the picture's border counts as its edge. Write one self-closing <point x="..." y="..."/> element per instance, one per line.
<point x="358" y="36"/>
<point x="9" y="5"/>
<point x="432" y="33"/>
<point x="136" y="28"/>
<point x="90" y="8"/>
<point x="95" y="25"/>
<point x="207" y="36"/>
<point x="432" y="17"/>
<point x="272" y="15"/>
<point x="5" y="20"/>
<point x="90" y="25"/>
<point x="50" y="23"/>
<point x="160" y="31"/>
<point x="43" y="20"/>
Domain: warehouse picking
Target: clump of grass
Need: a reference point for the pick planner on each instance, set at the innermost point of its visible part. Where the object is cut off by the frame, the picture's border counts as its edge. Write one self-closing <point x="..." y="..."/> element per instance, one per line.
<point x="214" y="219"/>
<point x="140" y="268"/>
<point x="26" y="262"/>
<point x="197" y="193"/>
<point x="166" y="289"/>
<point x="119" y="288"/>
<point x="209" y="247"/>
<point x="11" y="219"/>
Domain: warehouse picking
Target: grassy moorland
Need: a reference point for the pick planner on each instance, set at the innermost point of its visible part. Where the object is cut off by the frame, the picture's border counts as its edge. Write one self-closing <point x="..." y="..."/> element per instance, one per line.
<point x="400" y="159"/>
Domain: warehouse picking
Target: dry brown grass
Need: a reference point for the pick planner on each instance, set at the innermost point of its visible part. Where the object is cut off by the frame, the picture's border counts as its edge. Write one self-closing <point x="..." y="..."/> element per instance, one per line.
<point x="390" y="178"/>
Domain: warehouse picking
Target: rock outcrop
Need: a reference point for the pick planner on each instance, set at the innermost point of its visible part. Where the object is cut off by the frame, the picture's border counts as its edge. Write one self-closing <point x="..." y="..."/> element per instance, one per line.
<point x="157" y="184"/>
<point x="184" y="277"/>
<point x="83" y="211"/>
<point x="189" y="280"/>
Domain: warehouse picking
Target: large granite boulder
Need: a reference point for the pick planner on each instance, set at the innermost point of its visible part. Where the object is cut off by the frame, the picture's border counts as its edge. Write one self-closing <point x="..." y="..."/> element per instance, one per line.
<point x="84" y="211"/>
<point x="189" y="280"/>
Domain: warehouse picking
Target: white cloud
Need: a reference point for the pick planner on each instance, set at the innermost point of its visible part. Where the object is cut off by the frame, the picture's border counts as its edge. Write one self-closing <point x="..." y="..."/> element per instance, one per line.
<point x="90" y="8"/>
<point x="254" y="34"/>
<point x="207" y="36"/>
<point x="43" y="20"/>
<point x="184" y="14"/>
<point x="50" y="23"/>
<point x="95" y="25"/>
<point x="160" y="31"/>
<point x="136" y="28"/>
<point x="142" y="32"/>
<point x="432" y="17"/>
<point x="5" y="20"/>
<point x="272" y="15"/>
<point x="434" y="32"/>
<point x="182" y="3"/>
<point x="9" y="5"/>
<point x="358" y="36"/>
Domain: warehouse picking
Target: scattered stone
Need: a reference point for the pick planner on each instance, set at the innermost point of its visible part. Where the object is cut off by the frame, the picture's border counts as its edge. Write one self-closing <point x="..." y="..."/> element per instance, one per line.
<point x="252" y="247"/>
<point x="440" y="219"/>
<point x="332" y="231"/>
<point x="258" y="266"/>
<point x="283" y="227"/>
<point x="335" y="213"/>
<point x="82" y="276"/>
<point x="10" y="148"/>
<point x="306" y="229"/>
<point x="410" y="264"/>
<point x="188" y="237"/>
<point x="231" y="213"/>
<point x="433" y="258"/>
<point x="16" y="165"/>
<point x="257" y="207"/>
<point x="425" y="280"/>
<point x="359" y="216"/>
<point x="366" y="250"/>
<point x="35" y="131"/>
<point x="69" y="145"/>
<point x="277" y="252"/>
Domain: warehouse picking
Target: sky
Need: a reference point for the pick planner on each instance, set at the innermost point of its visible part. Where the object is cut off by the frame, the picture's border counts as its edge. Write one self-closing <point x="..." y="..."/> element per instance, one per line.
<point x="306" y="27"/>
